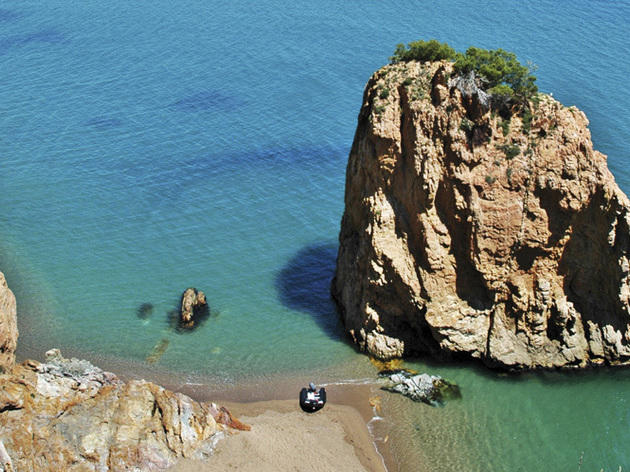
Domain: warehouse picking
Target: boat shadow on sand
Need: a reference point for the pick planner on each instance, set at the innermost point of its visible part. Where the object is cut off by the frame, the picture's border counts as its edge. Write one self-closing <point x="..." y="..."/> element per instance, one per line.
<point x="303" y="285"/>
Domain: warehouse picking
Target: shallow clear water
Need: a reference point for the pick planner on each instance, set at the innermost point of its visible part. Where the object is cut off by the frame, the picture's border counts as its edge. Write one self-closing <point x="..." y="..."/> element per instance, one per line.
<point x="148" y="147"/>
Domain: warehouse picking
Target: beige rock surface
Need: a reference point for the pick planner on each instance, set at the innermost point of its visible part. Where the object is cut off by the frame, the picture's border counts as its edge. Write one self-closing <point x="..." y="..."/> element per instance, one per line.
<point x="451" y="245"/>
<point x="66" y="414"/>
<point x="8" y="325"/>
<point x="193" y="301"/>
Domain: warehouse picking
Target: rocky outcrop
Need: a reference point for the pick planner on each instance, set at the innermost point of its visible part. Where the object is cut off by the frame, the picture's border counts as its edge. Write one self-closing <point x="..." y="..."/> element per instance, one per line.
<point x="66" y="414"/>
<point x="471" y="234"/>
<point x="8" y="325"/>
<point x="193" y="306"/>
<point x="430" y="389"/>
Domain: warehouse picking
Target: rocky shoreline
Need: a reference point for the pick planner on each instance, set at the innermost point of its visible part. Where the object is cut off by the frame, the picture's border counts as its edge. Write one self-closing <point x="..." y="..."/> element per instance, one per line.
<point x="67" y="414"/>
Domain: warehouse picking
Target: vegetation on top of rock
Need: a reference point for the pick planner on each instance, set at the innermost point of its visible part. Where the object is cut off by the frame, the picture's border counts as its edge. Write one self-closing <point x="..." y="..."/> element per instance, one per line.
<point x="498" y="72"/>
<point x="503" y="74"/>
<point x="423" y="51"/>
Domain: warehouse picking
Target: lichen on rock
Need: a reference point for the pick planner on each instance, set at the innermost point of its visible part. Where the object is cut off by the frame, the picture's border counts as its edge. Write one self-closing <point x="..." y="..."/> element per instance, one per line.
<point x="469" y="232"/>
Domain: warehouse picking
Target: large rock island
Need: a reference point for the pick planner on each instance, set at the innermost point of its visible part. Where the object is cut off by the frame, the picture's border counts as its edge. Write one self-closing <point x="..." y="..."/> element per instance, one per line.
<point x="471" y="233"/>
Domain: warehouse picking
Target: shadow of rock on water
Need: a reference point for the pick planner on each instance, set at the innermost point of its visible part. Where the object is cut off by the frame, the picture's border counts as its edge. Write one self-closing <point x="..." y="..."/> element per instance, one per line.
<point x="304" y="285"/>
<point x="201" y="315"/>
<point x="144" y="311"/>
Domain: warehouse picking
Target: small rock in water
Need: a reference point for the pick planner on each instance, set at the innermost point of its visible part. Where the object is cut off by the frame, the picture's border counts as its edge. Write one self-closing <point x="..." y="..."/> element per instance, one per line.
<point x="53" y="354"/>
<point x="193" y="306"/>
<point x="430" y="389"/>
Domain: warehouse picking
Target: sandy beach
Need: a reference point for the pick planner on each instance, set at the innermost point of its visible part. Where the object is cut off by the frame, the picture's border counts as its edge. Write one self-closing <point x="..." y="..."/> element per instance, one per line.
<point x="285" y="438"/>
<point x="282" y="436"/>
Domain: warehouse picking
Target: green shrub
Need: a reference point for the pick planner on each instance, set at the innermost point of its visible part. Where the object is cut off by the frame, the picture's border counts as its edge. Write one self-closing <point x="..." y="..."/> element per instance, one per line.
<point x="490" y="179"/>
<point x="502" y="90"/>
<point x="466" y="125"/>
<point x="505" y="126"/>
<point x="408" y="81"/>
<point x="527" y="120"/>
<point x="423" y="51"/>
<point x="536" y="100"/>
<point x="384" y="94"/>
<point x="419" y="94"/>
<point x="504" y="77"/>
<point x="378" y="109"/>
<point x="498" y="67"/>
<point x="510" y="150"/>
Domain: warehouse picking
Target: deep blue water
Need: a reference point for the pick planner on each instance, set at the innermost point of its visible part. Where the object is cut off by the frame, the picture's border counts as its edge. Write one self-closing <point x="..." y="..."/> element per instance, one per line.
<point x="151" y="146"/>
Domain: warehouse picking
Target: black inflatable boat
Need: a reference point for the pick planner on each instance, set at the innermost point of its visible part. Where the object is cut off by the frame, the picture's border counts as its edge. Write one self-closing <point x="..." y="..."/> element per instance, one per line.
<point x="312" y="399"/>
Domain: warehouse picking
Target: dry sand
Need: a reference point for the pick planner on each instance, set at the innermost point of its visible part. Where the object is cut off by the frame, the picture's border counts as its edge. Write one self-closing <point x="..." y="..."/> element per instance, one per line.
<point x="283" y="438"/>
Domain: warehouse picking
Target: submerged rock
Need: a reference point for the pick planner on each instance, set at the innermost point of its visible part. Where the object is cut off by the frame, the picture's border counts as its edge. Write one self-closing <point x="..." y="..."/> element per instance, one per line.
<point x="471" y="234"/>
<point x="430" y="389"/>
<point x="193" y="306"/>
<point x="158" y="351"/>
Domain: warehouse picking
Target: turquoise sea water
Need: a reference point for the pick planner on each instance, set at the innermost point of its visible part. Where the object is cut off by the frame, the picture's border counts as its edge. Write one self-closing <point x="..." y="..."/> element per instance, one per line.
<point x="151" y="146"/>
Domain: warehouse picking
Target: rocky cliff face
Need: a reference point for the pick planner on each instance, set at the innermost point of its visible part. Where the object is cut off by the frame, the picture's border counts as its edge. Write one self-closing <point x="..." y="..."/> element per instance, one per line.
<point x="8" y="325"/>
<point x="469" y="234"/>
<point x="66" y="414"/>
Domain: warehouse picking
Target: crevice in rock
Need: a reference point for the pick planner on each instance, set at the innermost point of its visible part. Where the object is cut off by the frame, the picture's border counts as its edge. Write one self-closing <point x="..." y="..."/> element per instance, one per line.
<point x="590" y="265"/>
<point x="10" y="407"/>
<point x="470" y="285"/>
<point x="558" y="220"/>
<point x="526" y="256"/>
<point x="487" y="354"/>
